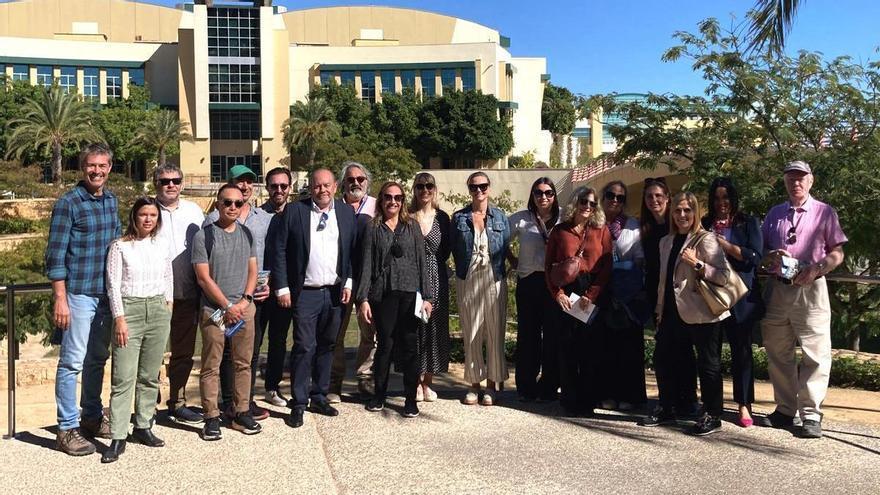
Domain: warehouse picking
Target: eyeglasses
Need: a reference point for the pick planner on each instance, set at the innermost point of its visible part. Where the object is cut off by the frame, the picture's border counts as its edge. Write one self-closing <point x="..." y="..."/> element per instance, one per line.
<point x="360" y="179"/>
<point x="282" y="186"/>
<point x="483" y="187"/>
<point x="546" y="193"/>
<point x="791" y="236"/>
<point x="586" y="202"/>
<point x="655" y="180"/>
<point x="322" y="223"/>
<point x="228" y="202"/>
<point x="610" y="196"/>
<point x="427" y="185"/>
<point x="176" y="181"/>
<point x="393" y="197"/>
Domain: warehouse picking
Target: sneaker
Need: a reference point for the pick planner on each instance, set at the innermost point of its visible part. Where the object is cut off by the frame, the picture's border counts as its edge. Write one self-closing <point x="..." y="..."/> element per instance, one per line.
<point x="471" y="397"/>
<point x="659" y="417"/>
<point x="97" y="427"/>
<point x="410" y="409"/>
<point x="366" y="387"/>
<point x="211" y="430"/>
<point x="810" y="428"/>
<point x="245" y="423"/>
<point x="275" y="398"/>
<point x="71" y="442"/>
<point x="257" y="412"/>
<point x="775" y="420"/>
<point x="430" y="394"/>
<point x="488" y="398"/>
<point x="705" y="425"/>
<point x="375" y="404"/>
<point x="185" y="415"/>
<point x="334" y="399"/>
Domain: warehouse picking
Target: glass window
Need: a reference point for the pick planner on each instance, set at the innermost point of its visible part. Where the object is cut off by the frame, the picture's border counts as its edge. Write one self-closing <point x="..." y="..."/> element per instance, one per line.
<point x="234" y="83"/>
<point x="368" y="86"/>
<point x="468" y="79"/>
<point x="90" y="83"/>
<point x="408" y="79"/>
<point x="44" y="75"/>
<point x="326" y="77"/>
<point x="67" y="79"/>
<point x="20" y="73"/>
<point x="235" y="124"/>
<point x="114" y="83"/>
<point x="233" y="32"/>
<point x="136" y="77"/>
<point x="429" y="85"/>
<point x="447" y="78"/>
<point x="220" y="165"/>
<point x="346" y="77"/>
<point x="387" y="81"/>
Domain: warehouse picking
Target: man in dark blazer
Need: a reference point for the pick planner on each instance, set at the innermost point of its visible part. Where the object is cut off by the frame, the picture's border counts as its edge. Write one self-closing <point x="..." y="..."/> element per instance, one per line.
<point x="311" y="274"/>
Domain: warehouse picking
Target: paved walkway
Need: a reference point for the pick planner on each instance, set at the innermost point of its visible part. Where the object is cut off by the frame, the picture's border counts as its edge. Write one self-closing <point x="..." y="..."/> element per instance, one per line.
<point x="452" y="448"/>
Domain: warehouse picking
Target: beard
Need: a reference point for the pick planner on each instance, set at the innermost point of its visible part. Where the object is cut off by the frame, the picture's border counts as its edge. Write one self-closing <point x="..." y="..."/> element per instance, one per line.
<point x="356" y="193"/>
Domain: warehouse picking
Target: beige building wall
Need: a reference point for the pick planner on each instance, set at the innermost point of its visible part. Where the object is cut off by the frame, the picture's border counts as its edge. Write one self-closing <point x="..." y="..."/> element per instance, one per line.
<point x="528" y="94"/>
<point x="517" y="181"/>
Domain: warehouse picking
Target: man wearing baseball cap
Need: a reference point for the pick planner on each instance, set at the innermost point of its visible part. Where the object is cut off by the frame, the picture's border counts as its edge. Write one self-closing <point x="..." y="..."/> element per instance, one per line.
<point x="803" y="241"/>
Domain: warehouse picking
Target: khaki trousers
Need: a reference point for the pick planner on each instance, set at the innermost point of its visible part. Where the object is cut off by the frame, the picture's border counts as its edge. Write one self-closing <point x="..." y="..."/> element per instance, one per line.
<point x="242" y="344"/>
<point x="366" y="351"/>
<point x="798" y="315"/>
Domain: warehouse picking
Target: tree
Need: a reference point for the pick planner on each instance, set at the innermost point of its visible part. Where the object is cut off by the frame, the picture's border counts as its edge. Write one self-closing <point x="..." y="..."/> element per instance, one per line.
<point x="558" y="115"/>
<point x="464" y="124"/>
<point x="761" y="110"/>
<point x="161" y="133"/>
<point x="771" y="22"/>
<point x="310" y="123"/>
<point x="121" y="121"/>
<point x="48" y="122"/>
<point x="12" y="101"/>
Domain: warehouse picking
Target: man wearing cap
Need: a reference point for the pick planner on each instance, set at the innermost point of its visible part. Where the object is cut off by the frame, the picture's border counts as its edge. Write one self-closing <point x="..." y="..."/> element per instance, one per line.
<point x="257" y="222"/>
<point x="804" y="234"/>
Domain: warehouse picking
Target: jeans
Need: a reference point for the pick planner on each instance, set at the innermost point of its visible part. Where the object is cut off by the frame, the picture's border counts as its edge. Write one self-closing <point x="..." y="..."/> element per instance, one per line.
<point x="85" y="347"/>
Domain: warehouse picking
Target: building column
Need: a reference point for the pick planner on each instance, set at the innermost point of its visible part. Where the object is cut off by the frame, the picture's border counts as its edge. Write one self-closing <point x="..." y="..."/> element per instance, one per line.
<point x="102" y="86"/>
<point x="125" y="82"/>
<point x="478" y="74"/>
<point x="80" y="81"/>
<point x="458" y="85"/>
<point x="596" y="133"/>
<point x="32" y="74"/>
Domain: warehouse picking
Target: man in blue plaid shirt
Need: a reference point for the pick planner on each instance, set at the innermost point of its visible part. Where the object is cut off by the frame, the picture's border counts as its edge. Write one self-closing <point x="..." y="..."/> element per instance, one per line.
<point x="84" y="222"/>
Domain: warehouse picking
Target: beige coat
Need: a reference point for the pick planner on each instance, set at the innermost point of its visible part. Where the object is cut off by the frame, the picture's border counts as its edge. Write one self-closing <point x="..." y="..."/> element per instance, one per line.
<point x="691" y="306"/>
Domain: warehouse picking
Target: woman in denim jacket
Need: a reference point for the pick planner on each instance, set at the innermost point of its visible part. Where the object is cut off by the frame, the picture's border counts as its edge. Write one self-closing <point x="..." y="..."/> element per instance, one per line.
<point x="479" y="237"/>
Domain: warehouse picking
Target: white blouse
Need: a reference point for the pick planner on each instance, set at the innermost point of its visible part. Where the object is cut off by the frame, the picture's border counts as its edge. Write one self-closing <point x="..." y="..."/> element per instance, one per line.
<point x="628" y="247"/>
<point x="140" y="268"/>
<point x="532" y="245"/>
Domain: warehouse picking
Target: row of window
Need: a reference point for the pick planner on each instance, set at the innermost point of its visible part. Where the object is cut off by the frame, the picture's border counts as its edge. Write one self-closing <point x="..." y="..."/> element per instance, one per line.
<point x="220" y="165"/>
<point x="235" y="124"/>
<point x="233" y="32"/>
<point x="67" y="78"/>
<point x="233" y="83"/>
<point x="426" y="77"/>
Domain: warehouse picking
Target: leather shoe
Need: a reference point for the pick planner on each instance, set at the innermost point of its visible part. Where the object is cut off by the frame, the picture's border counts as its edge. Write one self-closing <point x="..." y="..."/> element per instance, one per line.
<point x="144" y="436"/>
<point x="116" y="448"/>
<point x="295" y="420"/>
<point x="323" y="408"/>
<point x="775" y="420"/>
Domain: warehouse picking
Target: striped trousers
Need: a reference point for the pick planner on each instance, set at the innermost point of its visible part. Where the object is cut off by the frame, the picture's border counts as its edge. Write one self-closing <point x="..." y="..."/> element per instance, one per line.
<point x="482" y="306"/>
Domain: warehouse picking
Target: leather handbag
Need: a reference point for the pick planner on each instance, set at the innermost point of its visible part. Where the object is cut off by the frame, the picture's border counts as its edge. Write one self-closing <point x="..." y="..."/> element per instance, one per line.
<point x="721" y="298"/>
<point x="566" y="271"/>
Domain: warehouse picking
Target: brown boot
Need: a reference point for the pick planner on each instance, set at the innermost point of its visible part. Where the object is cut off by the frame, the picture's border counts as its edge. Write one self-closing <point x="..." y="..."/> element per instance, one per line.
<point x="71" y="442"/>
<point x="96" y="428"/>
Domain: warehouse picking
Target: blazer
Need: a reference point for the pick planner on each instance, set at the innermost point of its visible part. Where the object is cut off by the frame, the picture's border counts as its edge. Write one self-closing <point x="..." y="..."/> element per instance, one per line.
<point x="692" y="308"/>
<point x="746" y="233"/>
<point x="291" y="244"/>
<point x="461" y="236"/>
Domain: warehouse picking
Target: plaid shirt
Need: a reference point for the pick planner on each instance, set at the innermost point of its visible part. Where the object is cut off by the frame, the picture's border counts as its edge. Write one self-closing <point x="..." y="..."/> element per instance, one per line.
<point x="80" y="233"/>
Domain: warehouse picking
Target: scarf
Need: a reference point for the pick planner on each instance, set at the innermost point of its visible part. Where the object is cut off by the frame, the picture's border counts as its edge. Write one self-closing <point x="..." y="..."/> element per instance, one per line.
<point x="616" y="226"/>
<point x="720" y="225"/>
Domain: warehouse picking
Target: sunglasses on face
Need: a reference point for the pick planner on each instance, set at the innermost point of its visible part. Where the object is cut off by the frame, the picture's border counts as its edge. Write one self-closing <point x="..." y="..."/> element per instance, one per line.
<point x="548" y="193"/>
<point x="359" y="179"/>
<point x="427" y="185"/>
<point x="586" y="202"/>
<point x="481" y="187"/>
<point x="280" y="186"/>
<point x="228" y="202"/>
<point x="398" y="198"/>
<point x="791" y="236"/>
<point x="175" y="181"/>
<point x="610" y="196"/>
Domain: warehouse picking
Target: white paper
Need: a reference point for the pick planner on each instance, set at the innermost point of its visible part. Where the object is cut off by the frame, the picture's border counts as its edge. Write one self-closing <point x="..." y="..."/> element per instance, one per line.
<point x="577" y="312"/>
<point x="418" y="310"/>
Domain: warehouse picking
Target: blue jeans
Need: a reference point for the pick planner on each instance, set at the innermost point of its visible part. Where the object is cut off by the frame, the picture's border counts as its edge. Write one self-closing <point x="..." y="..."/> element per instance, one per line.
<point x="85" y="347"/>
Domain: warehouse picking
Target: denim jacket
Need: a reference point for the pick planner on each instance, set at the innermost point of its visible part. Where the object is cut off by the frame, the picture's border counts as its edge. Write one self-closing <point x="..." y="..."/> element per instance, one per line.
<point x="462" y="240"/>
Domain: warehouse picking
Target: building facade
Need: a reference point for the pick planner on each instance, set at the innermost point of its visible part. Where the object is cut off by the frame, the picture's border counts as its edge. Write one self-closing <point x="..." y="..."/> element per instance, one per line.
<point x="234" y="69"/>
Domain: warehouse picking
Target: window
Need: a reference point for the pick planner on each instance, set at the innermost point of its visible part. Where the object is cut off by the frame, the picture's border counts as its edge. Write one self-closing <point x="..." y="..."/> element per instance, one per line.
<point x="387" y="77"/>
<point x="326" y="77"/>
<point x="44" y="75"/>
<point x="20" y="73"/>
<point x="408" y="79"/>
<point x="233" y="32"/>
<point x="447" y="79"/>
<point x="346" y="78"/>
<point x="90" y="83"/>
<point x="468" y="79"/>
<point x="235" y="124"/>
<point x="233" y="83"/>
<point x="114" y="83"/>
<point x="67" y="79"/>
<point x="429" y="86"/>
<point x="136" y="77"/>
<point x="368" y="86"/>
<point x="221" y="164"/>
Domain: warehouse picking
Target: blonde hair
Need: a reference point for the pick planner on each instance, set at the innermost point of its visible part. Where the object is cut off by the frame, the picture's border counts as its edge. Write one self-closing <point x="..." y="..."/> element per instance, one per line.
<point x="379" y="216"/>
<point x="423" y="178"/>
<point x="695" y="207"/>
<point x="597" y="217"/>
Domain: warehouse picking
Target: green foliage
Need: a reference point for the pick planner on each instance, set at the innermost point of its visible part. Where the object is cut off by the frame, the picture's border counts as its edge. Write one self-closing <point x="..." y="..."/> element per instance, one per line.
<point x="527" y="160"/>
<point x="309" y="126"/>
<point x="121" y="121"/>
<point x="771" y="22"/>
<point x="558" y="114"/>
<point x="24" y="181"/>
<point x="463" y="124"/>
<point x="22" y="226"/>
<point x="24" y="264"/>
<point x="503" y="201"/>
<point x="160" y="134"/>
<point x="12" y="100"/>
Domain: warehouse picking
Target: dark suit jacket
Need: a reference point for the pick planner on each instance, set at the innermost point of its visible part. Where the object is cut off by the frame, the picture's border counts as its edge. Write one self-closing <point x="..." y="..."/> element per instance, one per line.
<point x="746" y="233"/>
<point x="291" y="243"/>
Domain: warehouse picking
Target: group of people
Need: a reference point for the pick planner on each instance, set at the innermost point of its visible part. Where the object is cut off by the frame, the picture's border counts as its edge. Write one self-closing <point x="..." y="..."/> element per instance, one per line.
<point x="589" y="278"/>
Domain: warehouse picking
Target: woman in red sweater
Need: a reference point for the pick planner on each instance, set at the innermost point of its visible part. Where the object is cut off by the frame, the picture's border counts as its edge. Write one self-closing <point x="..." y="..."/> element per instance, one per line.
<point x="582" y="234"/>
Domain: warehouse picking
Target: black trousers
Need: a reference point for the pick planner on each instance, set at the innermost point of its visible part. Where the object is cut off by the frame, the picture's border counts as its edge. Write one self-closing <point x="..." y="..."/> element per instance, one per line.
<point x="739" y="335"/>
<point x="317" y="313"/>
<point x="578" y="362"/>
<point x="537" y="342"/>
<point x="279" y="320"/>
<point x="676" y="341"/>
<point x="227" y="366"/>
<point x="623" y="363"/>
<point x="397" y="340"/>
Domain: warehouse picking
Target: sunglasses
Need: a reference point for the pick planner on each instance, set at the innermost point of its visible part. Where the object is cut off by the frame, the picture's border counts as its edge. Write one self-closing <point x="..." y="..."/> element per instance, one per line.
<point x="586" y="202"/>
<point x="546" y="193"/>
<point x="791" y="236"/>
<point x="427" y="185"/>
<point x="282" y="186"/>
<point x="483" y="187"/>
<point x="393" y="197"/>
<point x="610" y="196"/>
<point x="228" y="202"/>
<point x="175" y="181"/>
<point x="322" y="223"/>
<point x="359" y="179"/>
<point x="655" y="180"/>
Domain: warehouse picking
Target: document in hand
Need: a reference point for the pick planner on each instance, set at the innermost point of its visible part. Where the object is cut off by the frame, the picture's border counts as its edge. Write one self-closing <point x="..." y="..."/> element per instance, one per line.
<point x="419" y="310"/>
<point x="584" y="315"/>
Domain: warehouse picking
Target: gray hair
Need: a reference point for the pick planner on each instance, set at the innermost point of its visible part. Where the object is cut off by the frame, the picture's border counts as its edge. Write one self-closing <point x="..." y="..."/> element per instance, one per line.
<point x="95" y="149"/>
<point x="167" y="168"/>
<point x="350" y="165"/>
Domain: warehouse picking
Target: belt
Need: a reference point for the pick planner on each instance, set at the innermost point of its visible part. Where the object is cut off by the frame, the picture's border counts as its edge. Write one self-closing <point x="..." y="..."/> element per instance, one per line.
<point x="321" y="287"/>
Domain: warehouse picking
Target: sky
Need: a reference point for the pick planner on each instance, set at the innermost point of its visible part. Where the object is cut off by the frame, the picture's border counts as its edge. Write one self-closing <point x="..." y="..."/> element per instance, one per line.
<point x="603" y="46"/>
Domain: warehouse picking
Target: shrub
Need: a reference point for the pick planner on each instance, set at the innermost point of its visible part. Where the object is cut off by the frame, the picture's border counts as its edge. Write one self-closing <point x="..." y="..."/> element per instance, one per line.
<point x="22" y="226"/>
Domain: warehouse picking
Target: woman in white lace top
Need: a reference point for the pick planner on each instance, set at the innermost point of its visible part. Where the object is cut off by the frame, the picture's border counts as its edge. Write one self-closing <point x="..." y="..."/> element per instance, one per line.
<point x="141" y="291"/>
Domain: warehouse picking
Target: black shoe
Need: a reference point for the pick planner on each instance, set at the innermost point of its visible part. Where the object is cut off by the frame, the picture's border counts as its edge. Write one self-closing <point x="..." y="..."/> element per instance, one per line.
<point x="527" y="398"/>
<point x="257" y="412"/>
<point x="246" y="424"/>
<point x="410" y="409"/>
<point x="375" y="404"/>
<point x="295" y="420"/>
<point x="775" y="420"/>
<point x="705" y="425"/>
<point x="116" y="448"/>
<point x="659" y="417"/>
<point x="323" y="408"/>
<point x="811" y="429"/>
<point x="144" y="436"/>
<point x="211" y="430"/>
<point x="185" y="415"/>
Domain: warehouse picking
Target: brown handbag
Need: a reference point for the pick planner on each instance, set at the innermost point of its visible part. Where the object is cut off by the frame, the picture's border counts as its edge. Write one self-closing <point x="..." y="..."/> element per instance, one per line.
<point x="566" y="271"/>
<point x="721" y="298"/>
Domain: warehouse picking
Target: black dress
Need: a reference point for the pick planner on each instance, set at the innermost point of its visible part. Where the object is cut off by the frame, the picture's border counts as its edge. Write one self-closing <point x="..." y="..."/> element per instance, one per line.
<point x="434" y="335"/>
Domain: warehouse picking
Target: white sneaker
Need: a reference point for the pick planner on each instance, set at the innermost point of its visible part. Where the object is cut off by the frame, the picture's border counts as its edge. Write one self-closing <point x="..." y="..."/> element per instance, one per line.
<point x="420" y="394"/>
<point x="430" y="395"/>
<point x="276" y="399"/>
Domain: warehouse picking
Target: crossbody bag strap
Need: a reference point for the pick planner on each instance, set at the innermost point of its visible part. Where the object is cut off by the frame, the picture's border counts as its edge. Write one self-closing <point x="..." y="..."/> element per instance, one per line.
<point x="583" y="244"/>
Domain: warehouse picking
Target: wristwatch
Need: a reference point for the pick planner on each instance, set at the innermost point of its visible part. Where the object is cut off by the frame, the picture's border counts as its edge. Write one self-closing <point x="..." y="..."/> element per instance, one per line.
<point x="248" y="297"/>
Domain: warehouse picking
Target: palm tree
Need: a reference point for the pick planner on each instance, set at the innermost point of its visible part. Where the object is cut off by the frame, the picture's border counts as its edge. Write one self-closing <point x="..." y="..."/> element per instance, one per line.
<point x="310" y="123"/>
<point x="48" y="123"/>
<point x="163" y="128"/>
<point x="771" y="22"/>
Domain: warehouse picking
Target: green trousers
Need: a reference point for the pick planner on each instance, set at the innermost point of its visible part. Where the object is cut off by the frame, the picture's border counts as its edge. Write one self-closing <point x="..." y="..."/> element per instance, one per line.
<point x="136" y="366"/>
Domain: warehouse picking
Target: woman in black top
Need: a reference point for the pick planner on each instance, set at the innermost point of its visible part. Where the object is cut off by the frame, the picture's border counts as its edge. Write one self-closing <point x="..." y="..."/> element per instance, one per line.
<point x="393" y="275"/>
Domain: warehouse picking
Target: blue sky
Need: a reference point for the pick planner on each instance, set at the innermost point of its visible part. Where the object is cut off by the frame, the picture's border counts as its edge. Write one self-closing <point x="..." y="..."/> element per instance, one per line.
<point x="600" y="46"/>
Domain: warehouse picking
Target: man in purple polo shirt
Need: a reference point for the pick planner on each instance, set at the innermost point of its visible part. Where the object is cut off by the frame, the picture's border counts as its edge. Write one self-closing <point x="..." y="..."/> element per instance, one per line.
<point x="798" y="308"/>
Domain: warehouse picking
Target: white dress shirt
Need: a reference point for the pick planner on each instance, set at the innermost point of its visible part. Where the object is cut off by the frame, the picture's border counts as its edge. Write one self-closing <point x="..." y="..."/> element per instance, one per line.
<point x="178" y="228"/>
